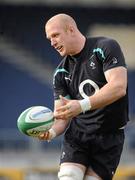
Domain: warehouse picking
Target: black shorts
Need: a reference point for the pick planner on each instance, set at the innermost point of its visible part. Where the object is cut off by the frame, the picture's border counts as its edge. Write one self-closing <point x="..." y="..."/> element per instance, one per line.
<point x="102" y="153"/>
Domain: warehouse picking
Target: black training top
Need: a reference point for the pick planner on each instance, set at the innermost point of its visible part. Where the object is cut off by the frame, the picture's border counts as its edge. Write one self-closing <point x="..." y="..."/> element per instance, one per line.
<point x="82" y="75"/>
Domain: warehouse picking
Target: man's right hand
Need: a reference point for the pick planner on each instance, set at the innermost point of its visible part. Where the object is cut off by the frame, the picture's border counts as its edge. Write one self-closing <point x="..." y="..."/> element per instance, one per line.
<point x="45" y="136"/>
<point x="49" y="135"/>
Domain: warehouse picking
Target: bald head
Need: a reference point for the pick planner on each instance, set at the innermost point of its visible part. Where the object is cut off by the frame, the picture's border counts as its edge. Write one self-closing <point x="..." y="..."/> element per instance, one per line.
<point x="62" y="32"/>
<point x="63" y="19"/>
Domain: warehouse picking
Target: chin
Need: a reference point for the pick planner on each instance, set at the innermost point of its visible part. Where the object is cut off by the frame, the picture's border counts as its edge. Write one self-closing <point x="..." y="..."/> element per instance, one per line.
<point x="63" y="54"/>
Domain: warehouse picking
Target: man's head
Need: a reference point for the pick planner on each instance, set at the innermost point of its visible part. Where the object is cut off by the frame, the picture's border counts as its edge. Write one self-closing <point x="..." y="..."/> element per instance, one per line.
<point x="64" y="35"/>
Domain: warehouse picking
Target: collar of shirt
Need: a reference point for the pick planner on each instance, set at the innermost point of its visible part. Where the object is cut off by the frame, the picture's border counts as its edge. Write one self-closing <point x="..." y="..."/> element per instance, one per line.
<point x="76" y="57"/>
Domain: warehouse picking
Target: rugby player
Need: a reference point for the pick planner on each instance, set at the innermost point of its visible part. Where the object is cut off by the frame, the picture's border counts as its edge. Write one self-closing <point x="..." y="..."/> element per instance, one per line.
<point x="91" y="101"/>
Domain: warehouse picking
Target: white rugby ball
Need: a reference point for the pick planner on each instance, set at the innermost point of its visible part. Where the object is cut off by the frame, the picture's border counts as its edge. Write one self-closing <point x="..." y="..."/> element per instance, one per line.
<point x="35" y="120"/>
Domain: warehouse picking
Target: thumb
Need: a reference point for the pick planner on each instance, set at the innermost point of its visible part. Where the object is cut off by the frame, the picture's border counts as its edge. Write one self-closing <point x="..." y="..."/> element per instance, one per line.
<point x="64" y="100"/>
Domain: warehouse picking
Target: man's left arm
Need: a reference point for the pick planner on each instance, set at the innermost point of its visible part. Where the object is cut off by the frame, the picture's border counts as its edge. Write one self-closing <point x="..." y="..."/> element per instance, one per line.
<point x="114" y="89"/>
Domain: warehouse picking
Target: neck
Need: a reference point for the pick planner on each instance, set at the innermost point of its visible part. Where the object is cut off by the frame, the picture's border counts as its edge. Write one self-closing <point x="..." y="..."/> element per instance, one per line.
<point x="78" y="45"/>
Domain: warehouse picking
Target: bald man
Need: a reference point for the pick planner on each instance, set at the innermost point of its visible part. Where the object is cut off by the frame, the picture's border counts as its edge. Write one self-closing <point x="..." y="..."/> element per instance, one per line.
<point x="91" y="101"/>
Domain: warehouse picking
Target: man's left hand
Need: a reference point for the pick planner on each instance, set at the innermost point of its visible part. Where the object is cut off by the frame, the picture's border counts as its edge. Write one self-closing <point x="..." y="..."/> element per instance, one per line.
<point x="70" y="109"/>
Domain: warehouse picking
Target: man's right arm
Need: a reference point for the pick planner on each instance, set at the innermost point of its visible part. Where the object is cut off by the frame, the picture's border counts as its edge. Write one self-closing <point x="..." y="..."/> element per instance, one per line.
<point x="58" y="127"/>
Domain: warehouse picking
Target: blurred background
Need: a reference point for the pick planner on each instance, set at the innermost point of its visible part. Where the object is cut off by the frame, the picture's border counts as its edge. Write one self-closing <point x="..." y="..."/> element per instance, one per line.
<point x="27" y="63"/>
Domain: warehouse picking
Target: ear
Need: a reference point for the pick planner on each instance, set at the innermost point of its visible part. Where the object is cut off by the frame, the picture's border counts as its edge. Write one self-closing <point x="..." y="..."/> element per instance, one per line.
<point x="71" y="29"/>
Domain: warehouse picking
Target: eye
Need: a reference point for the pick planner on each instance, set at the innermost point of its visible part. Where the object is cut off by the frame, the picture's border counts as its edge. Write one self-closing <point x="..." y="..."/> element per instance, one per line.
<point x="55" y="35"/>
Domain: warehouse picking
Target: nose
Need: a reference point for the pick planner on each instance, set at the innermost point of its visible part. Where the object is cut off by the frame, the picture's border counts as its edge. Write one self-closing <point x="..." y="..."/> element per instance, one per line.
<point x="53" y="42"/>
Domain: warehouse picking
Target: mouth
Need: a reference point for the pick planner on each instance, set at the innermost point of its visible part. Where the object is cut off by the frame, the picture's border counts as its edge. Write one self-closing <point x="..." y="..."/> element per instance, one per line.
<point x="59" y="48"/>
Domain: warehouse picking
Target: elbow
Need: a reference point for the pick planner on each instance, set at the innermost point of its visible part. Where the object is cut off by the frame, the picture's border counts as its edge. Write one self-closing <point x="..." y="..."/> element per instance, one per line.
<point x="121" y="91"/>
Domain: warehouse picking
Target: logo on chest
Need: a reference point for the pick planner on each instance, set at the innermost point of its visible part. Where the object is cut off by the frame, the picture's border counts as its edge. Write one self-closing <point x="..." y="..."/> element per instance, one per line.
<point x="68" y="78"/>
<point x="87" y="82"/>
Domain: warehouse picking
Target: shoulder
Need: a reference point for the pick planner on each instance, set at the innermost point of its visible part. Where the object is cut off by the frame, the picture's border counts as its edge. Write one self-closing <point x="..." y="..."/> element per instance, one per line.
<point x="103" y="42"/>
<point x="106" y="42"/>
<point x="108" y="46"/>
<point x="61" y="68"/>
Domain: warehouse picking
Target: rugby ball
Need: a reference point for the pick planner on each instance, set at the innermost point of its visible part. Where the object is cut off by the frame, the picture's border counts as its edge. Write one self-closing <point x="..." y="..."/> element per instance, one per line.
<point x="35" y="120"/>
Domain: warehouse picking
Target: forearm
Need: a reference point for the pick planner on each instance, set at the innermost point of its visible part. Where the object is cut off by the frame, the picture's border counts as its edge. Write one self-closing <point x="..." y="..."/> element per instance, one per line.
<point x="107" y="95"/>
<point x="114" y="89"/>
<point x="57" y="129"/>
<point x="59" y="126"/>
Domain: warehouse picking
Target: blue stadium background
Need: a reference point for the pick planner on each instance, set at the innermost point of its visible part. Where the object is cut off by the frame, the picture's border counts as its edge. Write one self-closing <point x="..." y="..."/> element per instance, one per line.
<point x="27" y="63"/>
<point x="25" y="26"/>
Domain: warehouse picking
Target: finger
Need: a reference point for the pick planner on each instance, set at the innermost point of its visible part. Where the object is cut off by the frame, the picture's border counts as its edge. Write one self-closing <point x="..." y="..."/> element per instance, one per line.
<point x="44" y="136"/>
<point x="63" y="115"/>
<point x="63" y="108"/>
<point x="63" y="99"/>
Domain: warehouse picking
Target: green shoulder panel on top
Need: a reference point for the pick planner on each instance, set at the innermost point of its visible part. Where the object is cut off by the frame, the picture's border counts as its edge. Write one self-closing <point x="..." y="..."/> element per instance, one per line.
<point x="100" y="51"/>
<point x="59" y="71"/>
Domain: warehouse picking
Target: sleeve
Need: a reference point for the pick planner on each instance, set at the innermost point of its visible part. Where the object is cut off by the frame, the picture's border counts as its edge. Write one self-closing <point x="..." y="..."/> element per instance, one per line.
<point x="59" y="85"/>
<point x="111" y="54"/>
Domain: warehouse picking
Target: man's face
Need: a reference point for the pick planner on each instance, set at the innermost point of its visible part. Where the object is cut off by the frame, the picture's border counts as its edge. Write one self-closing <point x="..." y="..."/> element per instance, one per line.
<point x="59" y="37"/>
